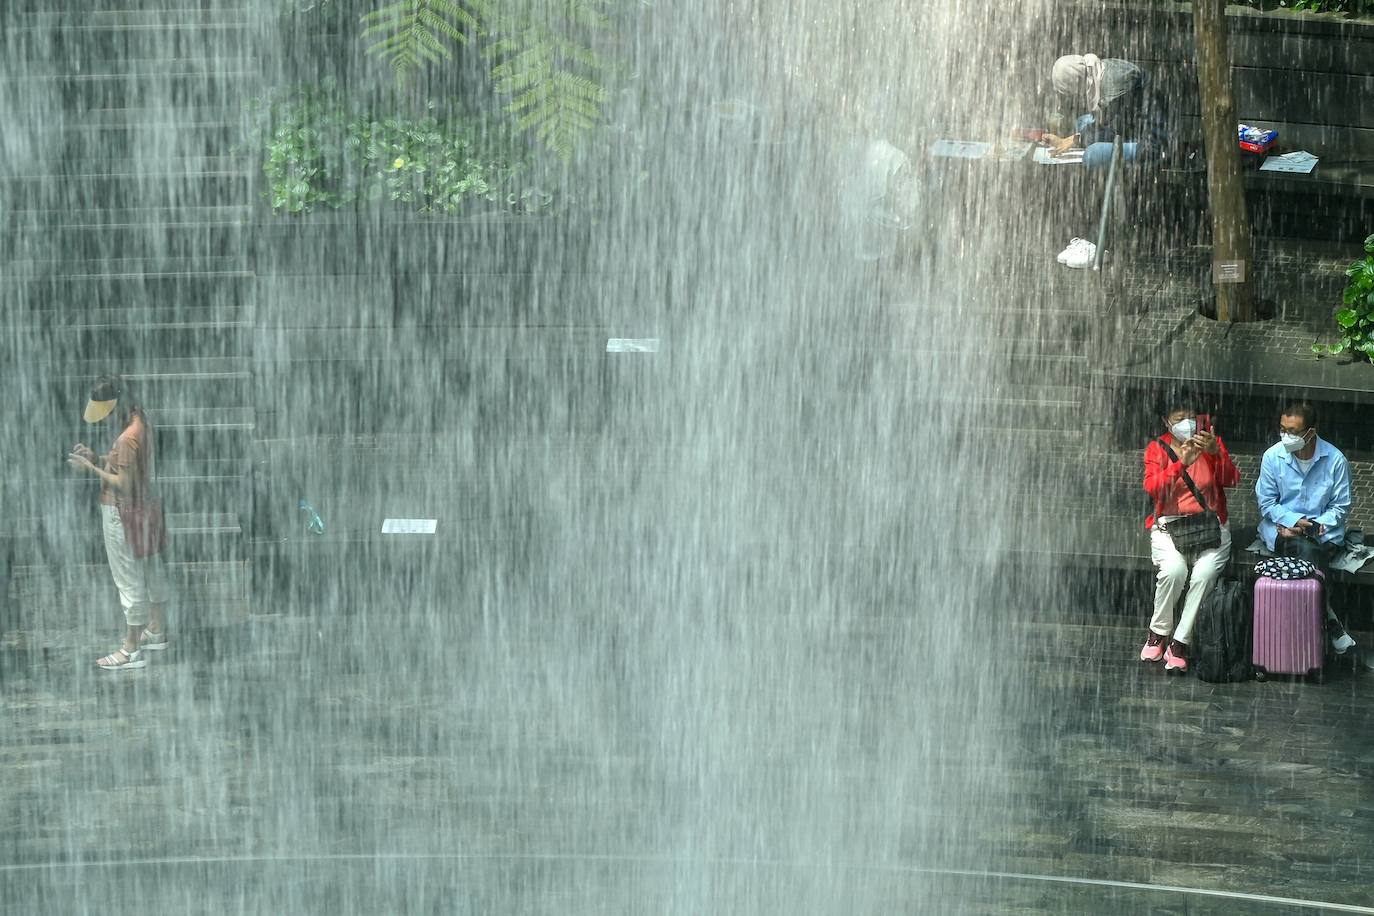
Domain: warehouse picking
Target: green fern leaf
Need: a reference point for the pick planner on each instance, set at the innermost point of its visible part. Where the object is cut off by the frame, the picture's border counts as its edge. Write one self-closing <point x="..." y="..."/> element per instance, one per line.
<point x="543" y="57"/>
<point x="538" y="94"/>
<point x="411" y="33"/>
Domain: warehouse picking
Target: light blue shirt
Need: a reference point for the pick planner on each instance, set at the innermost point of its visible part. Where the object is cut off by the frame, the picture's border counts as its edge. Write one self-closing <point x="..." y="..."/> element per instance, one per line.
<point x="1286" y="494"/>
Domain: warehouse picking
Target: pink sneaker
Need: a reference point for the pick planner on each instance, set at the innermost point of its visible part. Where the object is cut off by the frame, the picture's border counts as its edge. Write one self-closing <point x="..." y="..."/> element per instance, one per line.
<point x="1154" y="648"/>
<point x="1176" y="657"/>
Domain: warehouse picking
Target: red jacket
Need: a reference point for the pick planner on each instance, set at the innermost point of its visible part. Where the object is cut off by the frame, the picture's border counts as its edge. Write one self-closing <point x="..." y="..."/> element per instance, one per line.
<point x="1164" y="479"/>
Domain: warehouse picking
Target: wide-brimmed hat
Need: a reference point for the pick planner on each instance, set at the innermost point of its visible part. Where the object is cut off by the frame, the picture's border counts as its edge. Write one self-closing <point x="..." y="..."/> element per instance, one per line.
<point x="104" y="395"/>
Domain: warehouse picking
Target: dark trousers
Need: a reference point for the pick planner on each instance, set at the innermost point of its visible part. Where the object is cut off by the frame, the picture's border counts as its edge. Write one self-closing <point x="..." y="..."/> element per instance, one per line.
<point x="1320" y="555"/>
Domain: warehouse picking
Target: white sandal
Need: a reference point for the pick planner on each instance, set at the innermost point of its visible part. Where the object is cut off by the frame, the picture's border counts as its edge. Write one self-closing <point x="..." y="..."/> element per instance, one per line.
<point x="112" y="661"/>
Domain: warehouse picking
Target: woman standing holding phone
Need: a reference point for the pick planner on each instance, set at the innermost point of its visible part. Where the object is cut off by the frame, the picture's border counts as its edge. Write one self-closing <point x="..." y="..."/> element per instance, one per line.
<point x="131" y="519"/>
<point x="1187" y="472"/>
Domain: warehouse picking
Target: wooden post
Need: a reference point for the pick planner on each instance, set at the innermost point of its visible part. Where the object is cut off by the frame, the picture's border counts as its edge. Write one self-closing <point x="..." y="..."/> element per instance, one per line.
<point x="1225" y="187"/>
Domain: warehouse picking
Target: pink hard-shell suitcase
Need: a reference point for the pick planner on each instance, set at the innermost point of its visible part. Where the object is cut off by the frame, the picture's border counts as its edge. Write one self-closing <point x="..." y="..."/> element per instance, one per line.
<point x="1288" y="626"/>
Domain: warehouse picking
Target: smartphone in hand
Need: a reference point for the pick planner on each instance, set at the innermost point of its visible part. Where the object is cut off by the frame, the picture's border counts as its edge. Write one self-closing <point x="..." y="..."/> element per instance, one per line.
<point x="1204" y="423"/>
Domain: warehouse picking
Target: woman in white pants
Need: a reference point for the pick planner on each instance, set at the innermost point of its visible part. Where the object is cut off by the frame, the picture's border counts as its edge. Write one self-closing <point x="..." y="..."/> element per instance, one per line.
<point x="127" y="484"/>
<point x="1184" y="449"/>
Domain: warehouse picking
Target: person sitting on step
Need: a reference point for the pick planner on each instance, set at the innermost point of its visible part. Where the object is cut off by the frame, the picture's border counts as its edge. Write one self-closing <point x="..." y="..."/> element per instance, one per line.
<point x="1099" y="101"/>
<point x="1184" y="449"/>
<point x="1304" y="498"/>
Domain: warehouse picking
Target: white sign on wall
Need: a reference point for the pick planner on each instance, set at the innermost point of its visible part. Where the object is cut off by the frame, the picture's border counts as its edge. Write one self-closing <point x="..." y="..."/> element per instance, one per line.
<point x="1228" y="271"/>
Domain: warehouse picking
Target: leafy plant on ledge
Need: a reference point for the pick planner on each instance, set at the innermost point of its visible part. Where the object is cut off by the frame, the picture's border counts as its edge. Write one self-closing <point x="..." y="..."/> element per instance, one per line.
<point x="320" y="151"/>
<point x="1355" y="317"/>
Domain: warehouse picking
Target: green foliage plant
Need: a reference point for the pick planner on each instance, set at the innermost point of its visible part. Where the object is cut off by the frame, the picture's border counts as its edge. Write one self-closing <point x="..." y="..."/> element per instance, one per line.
<point x="320" y="151"/>
<point x="1355" y="317"/>
<point x="1348" y="7"/>
<point x="542" y="53"/>
<point x="1351" y="8"/>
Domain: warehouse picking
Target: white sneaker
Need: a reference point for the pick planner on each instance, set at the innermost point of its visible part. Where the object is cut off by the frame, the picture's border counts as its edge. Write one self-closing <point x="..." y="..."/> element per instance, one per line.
<point x="1341" y="642"/>
<point x="1081" y="257"/>
<point x="1074" y="244"/>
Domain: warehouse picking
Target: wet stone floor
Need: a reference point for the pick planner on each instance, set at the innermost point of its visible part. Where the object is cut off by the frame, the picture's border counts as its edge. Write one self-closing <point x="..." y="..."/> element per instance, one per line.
<point x="265" y="774"/>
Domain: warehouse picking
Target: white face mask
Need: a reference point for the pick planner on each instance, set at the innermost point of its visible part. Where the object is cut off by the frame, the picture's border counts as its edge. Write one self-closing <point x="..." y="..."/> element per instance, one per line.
<point x="1184" y="430"/>
<point x="1292" y="443"/>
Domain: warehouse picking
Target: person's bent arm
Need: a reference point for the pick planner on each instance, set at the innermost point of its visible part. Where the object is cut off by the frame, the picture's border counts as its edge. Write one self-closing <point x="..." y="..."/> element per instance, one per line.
<point x="1224" y="469"/>
<point x="117" y="480"/>
<point x="1339" y="506"/>
<point x="1267" y="491"/>
<point x="1160" y="471"/>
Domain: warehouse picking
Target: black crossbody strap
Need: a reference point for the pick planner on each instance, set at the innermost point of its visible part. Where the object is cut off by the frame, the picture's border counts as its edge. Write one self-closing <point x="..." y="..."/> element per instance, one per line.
<point x="1197" y="494"/>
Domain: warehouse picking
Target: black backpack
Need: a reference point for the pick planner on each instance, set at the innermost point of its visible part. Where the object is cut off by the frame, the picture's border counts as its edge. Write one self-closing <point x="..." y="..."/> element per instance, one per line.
<point x="1221" y="636"/>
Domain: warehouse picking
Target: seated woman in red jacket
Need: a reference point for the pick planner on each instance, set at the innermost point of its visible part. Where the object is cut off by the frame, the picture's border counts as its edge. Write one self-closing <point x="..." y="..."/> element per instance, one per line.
<point x="1184" y="447"/>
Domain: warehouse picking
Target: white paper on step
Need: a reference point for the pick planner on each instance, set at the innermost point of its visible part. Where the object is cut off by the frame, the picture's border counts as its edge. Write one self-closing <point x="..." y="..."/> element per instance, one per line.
<point x="960" y="149"/>
<point x="1298" y="161"/>
<point x="1072" y="156"/>
<point x="632" y="345"/>
<point x="409" y="525"/>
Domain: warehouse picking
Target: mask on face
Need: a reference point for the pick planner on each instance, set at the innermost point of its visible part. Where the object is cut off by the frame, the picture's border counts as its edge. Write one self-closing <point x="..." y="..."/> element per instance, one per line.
<point x="1184" y="430"/>
<point x="1291" y="442"/>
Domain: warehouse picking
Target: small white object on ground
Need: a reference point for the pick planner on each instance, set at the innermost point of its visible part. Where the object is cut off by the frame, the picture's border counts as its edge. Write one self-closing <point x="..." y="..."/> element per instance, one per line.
<point x="409" y="525"/>
<point x="1078" y="255"/>
<point x="1074" y="245"/>
<point x="632" y="345"/>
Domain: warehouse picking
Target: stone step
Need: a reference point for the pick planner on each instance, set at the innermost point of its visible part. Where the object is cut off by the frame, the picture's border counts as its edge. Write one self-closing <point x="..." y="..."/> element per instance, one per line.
<point x="136" y="218"/>
<point x="169" y="151"/>
<point x="76" y="92"/>
<point x="190" y="420"/>
<point x="118" y="344"/>
<point x="117" y="193"/>
<point x="1043" y="408"/>
<point x="60" y="605"/>
<point x="157" y="15"/>
<point x="81" y="59"/>
<point x="208" y="578"/>
<point x="149" y="248"/>
<point x="186" y="485"/>
<point x="125" y="137"/>
<point x="59" y="537"/>
<point x="157" y="118"/>
<point x="167" y="382"/>
<point x="158" y="265"/>
<point x="155" y="164"/>
<point x="175" y="392"/>
<point x="141" y="318"/>
<point x="223" y="284"/>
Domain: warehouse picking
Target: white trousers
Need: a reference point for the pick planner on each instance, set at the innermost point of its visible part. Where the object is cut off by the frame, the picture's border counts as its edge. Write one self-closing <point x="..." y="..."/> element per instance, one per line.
<point x="1173" y="576"/>
<point x="141" y="583"/>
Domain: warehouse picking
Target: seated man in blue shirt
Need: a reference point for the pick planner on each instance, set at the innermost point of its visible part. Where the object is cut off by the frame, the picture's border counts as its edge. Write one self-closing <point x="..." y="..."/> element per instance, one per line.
<point x="1304" y="497"/>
